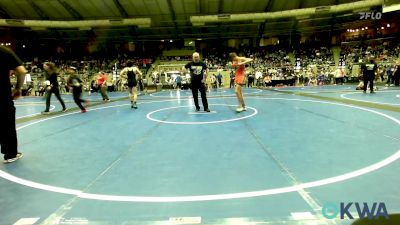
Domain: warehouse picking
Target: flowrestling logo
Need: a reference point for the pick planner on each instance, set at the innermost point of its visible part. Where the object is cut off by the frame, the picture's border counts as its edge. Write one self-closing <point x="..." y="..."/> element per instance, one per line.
<point x="348" y="210"/>
<point x="370" y="15"/>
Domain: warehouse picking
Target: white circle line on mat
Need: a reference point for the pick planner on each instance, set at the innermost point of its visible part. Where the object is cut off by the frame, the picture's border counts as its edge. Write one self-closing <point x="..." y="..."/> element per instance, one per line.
<point x="382" y="103"/>
<point x="198" y="123"/>
<point x="52" y="107"/>
<point x="214" y="197"/>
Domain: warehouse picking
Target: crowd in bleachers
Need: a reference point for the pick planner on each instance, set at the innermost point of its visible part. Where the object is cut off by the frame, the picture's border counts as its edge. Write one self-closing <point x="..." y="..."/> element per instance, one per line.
<point x="271" y="66"/>
<point x="175" y="58"/>
<point x="88" y="70"/>
<point x="316" y="64"/>
<point x="385" y="52"/>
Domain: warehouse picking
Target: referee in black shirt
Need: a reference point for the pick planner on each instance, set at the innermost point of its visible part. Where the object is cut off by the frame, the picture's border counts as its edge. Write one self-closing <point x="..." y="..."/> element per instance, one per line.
<point x="368" y="70"/>
<point x="198" y="75"/>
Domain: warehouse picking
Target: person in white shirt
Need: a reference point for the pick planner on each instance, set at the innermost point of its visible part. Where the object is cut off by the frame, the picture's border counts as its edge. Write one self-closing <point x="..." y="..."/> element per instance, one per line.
<point x="258" y="78"/>
<point x="339" y="76"/>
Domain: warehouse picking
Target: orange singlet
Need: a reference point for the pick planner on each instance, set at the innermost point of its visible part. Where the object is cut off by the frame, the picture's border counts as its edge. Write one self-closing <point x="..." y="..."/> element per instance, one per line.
<point x="239" y="76"/>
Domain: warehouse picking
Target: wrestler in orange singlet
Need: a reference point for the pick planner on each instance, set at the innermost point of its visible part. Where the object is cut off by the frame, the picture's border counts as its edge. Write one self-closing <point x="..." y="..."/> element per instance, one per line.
<point x="239" y="64"/>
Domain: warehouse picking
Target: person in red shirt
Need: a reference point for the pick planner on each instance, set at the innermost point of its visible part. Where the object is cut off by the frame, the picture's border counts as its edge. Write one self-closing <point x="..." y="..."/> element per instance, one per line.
<point x="239" y="64"/>
<point x="102" y="83"/>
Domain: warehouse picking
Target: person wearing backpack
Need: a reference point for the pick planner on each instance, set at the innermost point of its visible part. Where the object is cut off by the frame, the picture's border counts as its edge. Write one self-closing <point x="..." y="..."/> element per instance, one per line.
<point x="132" y="74"/>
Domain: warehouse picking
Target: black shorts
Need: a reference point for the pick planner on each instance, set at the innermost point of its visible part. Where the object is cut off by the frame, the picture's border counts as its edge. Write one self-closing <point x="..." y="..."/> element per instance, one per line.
<point x="132" y="83"/>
